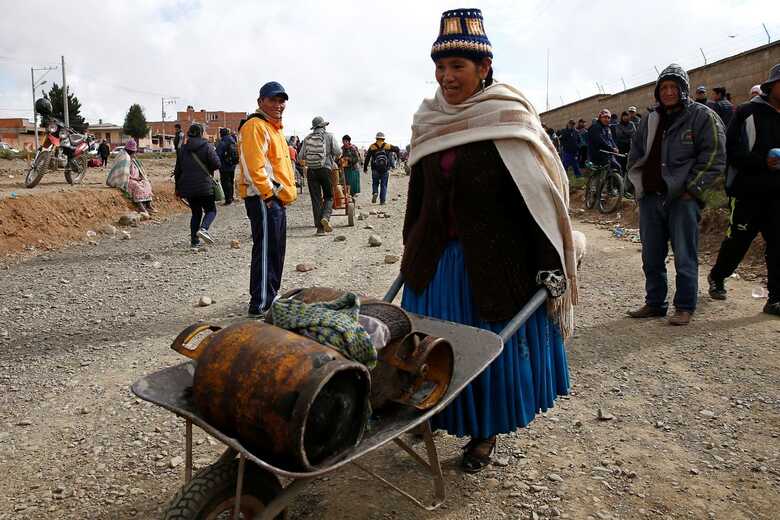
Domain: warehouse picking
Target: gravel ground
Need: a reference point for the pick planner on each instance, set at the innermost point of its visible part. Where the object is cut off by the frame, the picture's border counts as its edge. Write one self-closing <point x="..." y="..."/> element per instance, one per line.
<point x="690" y="416"/>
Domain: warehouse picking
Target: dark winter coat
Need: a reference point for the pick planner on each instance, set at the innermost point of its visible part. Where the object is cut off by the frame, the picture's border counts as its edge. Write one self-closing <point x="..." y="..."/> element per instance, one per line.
<point x="693" y="150"/>
<point x="223" y="152"/>
<point x="754" y="130"/>
<point x="600" y="138"/>
<point x="191" y="180"/>
<point x="570" y="140"/>
<point x="724" y="109"/>
<point x="624" y="132"/>
<point x="103" y="150"/>
<point x="503" y="246"/>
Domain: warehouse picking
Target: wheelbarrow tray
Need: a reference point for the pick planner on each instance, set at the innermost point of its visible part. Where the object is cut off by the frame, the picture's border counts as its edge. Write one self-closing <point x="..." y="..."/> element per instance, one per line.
<point x="474" y="349"/>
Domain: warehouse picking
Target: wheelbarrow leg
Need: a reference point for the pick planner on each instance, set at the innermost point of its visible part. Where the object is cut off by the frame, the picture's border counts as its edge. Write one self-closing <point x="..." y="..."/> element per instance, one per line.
<point x="239" y="485"/>
<point x="432" y="466"/>
<point x="433" y="461"/>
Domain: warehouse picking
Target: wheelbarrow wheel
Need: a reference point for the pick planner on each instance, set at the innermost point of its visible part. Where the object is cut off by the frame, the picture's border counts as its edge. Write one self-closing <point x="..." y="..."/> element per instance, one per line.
<point x="212" y="491"/>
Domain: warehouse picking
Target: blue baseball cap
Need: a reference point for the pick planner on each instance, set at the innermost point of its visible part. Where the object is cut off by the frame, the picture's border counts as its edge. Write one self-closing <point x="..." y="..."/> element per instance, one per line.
<point x="271" y="89"/>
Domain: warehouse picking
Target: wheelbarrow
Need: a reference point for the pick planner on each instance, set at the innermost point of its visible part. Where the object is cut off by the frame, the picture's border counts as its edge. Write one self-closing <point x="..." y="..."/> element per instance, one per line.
<point x="255" y="491"/>
<point x="342" y="196"/>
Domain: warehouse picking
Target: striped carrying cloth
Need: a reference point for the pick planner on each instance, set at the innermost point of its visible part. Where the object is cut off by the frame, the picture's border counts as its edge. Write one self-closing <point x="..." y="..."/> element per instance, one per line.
<point x="333" y="323"/>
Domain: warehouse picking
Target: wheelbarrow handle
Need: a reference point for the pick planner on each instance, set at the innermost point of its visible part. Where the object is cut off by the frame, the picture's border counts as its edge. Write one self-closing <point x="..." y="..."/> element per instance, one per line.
<point x="522" y="316"/>
<point x="514" y="324"/>
<point x="392" y="292"/>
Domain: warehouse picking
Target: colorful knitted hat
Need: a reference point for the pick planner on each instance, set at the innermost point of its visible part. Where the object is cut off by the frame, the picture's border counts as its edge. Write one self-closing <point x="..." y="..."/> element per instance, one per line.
<point x="462" y="33"/>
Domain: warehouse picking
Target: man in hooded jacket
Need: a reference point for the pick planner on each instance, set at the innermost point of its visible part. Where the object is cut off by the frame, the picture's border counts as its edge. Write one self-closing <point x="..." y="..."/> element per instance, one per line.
<point x="753" y="183"/>
<point x="676" y="154"/>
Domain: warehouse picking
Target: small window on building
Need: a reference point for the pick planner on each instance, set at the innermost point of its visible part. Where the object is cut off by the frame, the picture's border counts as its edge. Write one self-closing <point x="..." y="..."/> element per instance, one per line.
<point x="213" y="117"/>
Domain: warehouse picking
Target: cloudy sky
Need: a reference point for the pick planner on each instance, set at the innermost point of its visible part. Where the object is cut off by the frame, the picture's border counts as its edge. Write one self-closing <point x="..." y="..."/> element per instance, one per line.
<point x="364" y="66"/>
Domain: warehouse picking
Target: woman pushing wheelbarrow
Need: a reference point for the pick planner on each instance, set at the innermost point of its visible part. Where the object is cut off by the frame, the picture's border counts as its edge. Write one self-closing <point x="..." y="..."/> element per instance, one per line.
<point x="478" y="150"/>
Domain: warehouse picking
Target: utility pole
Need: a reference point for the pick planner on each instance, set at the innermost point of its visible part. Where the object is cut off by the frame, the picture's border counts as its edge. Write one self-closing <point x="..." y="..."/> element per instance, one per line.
<point x="624" y="83"/>
<point x="34" y="86"/>
<point x="65" y="95"/>
<point x="768" y="38"/>
<point x="165" y="101"/>
<point x="548" y="79"/>
<point x="703" y="56"/>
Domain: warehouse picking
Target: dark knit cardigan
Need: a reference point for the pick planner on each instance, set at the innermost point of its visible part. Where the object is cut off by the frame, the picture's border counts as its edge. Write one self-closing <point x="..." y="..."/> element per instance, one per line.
<point x="503" y="246"/>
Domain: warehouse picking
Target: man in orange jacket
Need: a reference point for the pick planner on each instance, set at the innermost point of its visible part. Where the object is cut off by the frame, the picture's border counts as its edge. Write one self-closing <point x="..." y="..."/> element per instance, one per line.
<point x="267" y="185"/>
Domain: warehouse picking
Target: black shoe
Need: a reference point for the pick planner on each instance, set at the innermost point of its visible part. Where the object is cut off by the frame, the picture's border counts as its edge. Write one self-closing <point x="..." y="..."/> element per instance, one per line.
<point x="772" y="308"/>
<point x="373" y="198"/>
<point x="647" y="311"/>
<point x="228" y="202"/>
<point x="255" y="311"/>
<point x="717" y="288"/>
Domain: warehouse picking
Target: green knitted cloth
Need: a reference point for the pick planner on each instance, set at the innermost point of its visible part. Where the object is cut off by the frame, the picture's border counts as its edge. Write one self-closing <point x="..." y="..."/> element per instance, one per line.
<point x="332" y="323"/>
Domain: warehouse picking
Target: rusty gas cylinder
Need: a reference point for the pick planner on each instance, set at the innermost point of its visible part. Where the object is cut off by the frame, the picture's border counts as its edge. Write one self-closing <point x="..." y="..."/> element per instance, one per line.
<point x="292" y="401"/>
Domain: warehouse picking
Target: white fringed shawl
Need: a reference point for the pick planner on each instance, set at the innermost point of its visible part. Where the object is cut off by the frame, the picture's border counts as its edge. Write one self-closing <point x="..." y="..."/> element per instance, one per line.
<point x="501" y="113"/>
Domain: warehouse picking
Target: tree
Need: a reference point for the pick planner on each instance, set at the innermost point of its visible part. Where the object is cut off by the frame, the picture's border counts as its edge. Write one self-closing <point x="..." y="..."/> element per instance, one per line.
<point x="74" y="108"/>
<point x="135" y="123"/>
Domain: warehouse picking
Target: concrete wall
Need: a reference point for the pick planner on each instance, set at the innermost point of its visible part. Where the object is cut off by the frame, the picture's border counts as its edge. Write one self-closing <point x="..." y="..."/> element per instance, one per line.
<point x="737" y="73"/>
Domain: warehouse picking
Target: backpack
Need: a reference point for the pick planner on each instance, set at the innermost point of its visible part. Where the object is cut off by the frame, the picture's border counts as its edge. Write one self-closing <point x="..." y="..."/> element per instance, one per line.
<point x="381" y="160"/>
<point x="230" y="154"/>
<point x="315" y="150"/>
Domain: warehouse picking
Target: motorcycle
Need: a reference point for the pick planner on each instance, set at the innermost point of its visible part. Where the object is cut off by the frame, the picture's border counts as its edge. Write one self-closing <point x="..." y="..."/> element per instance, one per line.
<point x="61" y="148"/>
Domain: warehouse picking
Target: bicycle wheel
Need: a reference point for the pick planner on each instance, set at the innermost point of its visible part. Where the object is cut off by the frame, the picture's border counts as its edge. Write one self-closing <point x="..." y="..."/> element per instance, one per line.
<point x="610" y="192"/>
<point x="592" y="190"/>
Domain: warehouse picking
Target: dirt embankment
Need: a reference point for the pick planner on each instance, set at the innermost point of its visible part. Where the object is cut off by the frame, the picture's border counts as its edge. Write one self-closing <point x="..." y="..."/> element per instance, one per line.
<point x="714" y="222"/>
<point x="54" y="213"/>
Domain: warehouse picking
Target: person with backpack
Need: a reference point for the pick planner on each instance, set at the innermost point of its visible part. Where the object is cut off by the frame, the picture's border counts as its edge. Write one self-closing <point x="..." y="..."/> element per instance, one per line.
<point x="227" y="150"/>
<point x="378" y="155"/>
<point x="319" y="154"/>
<point x="195" y="165"/>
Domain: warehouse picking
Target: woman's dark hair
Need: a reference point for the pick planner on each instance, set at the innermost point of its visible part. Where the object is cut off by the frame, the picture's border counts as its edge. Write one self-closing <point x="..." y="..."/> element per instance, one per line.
<point x="346" y="138"/>
<point x="195" y="131"/>
<point x="489" y="78"/>
<point x="624" y="113"/>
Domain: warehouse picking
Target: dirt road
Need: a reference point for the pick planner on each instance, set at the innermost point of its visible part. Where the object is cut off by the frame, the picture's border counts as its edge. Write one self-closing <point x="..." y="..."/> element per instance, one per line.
<point x="696" y="410"/>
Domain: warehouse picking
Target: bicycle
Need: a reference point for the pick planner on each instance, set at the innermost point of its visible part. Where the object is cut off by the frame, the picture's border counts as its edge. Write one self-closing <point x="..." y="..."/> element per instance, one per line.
<point x="605" y="185"/>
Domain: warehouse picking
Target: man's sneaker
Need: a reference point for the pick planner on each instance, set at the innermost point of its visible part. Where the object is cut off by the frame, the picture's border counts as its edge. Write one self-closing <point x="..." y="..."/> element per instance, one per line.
<point x="772" y="308"/>
<point x="205" y="236"/>
<point x="326" y="225"/>
<point x="255" y="311"/>
<point x="717" y="288"/>
<point x="373" y="198"/>
<point x="646" y="311"/>
<point x="680" y="317"/>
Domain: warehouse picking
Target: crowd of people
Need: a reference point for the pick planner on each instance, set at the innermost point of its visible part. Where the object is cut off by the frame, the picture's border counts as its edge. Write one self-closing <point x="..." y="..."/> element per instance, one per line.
<point x="672" y="156"/>
<point x="479" y="263"/>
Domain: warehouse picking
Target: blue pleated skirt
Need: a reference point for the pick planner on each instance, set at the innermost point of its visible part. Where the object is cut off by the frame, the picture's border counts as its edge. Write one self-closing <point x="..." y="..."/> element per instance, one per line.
<point x="528" y="375"/>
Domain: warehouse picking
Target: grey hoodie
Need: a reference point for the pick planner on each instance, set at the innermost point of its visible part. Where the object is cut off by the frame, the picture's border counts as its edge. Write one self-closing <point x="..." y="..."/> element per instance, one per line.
<point x="693" y="150"/>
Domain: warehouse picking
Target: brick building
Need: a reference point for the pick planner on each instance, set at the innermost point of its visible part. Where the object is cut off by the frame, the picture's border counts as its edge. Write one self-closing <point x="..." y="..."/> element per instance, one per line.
<point x="212" y="120"/>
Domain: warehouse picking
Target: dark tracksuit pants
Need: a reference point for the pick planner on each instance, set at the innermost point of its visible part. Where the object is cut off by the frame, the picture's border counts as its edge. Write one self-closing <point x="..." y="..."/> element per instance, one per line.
<point x="226" y="180"/>
<point x="661" y="222"/>
<point x="204" y="211"/>
<point x="379" y="180"/>
<point x="269" y="240"/>
<point x="748" y="219"/>
<point x="321" y="193"/>
<point x="103" y="160"/>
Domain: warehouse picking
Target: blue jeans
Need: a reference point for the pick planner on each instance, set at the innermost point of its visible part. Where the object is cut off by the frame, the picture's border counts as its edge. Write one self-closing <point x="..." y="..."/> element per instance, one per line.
<point x="377" y="178"/>
<point x="570" y="159"/>
<point x="661" y="222"/>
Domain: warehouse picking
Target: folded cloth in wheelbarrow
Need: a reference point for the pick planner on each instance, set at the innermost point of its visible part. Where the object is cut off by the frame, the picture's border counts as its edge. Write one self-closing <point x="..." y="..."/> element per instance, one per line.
<point x="333" y="323"/>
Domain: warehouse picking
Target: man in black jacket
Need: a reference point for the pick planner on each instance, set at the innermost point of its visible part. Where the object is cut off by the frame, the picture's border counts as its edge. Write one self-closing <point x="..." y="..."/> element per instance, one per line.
<point x="194" y="170"/>
<point x="600" y="140"/>
<point x="227" y="151"/>
<point x="753" y="183"/>
<point x="570" y="146"/>
<point x="721" y="105"/>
